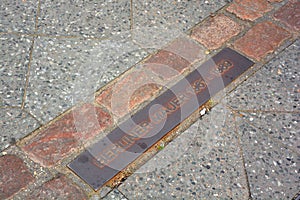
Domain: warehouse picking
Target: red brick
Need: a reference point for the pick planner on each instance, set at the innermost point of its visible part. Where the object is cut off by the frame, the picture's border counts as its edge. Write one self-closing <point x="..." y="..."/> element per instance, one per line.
<point x="58" y="188"/>
<point x="272" y="1"/>
<point x="128" y="92"/>
<point x="14" y="176"/>
<point x="249" y="9"/>
<point x="216" y="31"/>
<point x="166" y="64"/>
<point x="187" y="49"/>
<point x="56" y="141"/>
<point x="290" y="14"/>
<point x="262" y="39"/>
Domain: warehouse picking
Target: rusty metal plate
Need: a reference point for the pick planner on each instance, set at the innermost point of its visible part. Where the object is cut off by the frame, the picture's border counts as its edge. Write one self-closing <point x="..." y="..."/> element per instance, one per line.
<point x="106" y="158"/>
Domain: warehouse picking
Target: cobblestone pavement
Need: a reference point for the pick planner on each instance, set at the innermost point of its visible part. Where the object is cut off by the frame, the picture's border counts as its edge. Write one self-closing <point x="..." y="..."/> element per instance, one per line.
<point x="72" y="71"/>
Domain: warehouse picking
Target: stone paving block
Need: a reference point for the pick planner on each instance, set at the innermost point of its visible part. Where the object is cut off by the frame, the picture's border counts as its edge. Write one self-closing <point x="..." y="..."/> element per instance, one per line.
<point x="90" y="19"/>
<point x="58" y="188"/>
<point x="128" y="92"/>
<point x="201" y="163"/>
<point x="282" y="127"/>
<point x="14" y="125"/>
<point x="273" y="170"/>
<point x="186" y="48"/>
<point x="14" y="175"/>
<point x="261" y="39"/>
<point x="166" y="64"/>
<point x="249" y="9"/>
<point x="14" y="61"/>
<point x="18" y="16"/>
<point x="65" y="72"/>
<point x="274" y="88"/>
<point x="216" y="31"/>
<point x="156" y="23"/>
<point x="66" y="134"/>
<point x="290" y="14"/>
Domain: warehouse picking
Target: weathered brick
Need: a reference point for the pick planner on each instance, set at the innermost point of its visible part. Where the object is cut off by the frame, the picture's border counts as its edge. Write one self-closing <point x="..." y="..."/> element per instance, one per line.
<point x="130" y="91"/>
<point x="56" y="141"/>
<point x="187" y="49"/>
<point x="166" y="64"/>
<point x="58" y="188"/>
<point x="272" y="1"/>
<point x="249" y="9"/>
<point x="14" y="175"/>
<point x="216" y="31"/>
<point x="261" y="39"/>
<point x="290" y="14"/>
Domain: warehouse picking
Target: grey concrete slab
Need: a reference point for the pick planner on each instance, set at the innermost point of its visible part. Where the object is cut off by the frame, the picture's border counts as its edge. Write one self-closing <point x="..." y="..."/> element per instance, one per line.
<point x="275" y="87"/>
<point x="155" y="22"/>
<point x="18" y="16"/>
<point x="115" y="195"/>
<point x="14" y="53"/>
<point x="283" y="127"/>
<point x="14" y="125"/>
<point x="202" y="163"/>
<point x="97" y="18"/>
<point x="67" y="71"/>
<point x="273" y="169"/>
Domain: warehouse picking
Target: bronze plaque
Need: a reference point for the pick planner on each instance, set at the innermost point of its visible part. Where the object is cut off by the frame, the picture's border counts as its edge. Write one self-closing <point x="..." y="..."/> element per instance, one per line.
<point x="106" y="158"/>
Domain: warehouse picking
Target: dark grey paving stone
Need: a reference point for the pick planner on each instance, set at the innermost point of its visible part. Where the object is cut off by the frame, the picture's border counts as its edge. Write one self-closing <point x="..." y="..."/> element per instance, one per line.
<point x="14" y="61"/>
<point x="155" y="22"/>
<point x="64" y="72"/>
<point x="115" y="195"/>
<point x="18" y="16"/>
<point x="14" y="125"/>
<point x="202" y="163"/>
<point x="96" y="18"/>
<point x="283" y="127"/>
<point x="273" y="170"/>
<point x="274" y="87"/>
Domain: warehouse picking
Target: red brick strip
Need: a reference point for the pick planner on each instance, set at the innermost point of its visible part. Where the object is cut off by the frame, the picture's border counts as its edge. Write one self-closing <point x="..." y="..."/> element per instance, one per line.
<point x="55" y="141"/>
<point x="14" y="175"/>
<point x="216" y="31"/>
<point x="290" y="15"/>
<point x="261" y="39"/>
<point x="249" y="9"/>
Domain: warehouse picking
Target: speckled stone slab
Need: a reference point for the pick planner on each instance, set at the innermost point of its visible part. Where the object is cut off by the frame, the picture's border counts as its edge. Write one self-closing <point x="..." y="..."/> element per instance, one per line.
<point x="14" y="125"/>
<point x="66" y="71"/>
<point x="18" y="16"/>
<point x="272" y="168"/>
<point x="98" y="18"/>
<point x="204" y="162"/>
<point x="274" y="88"/>
<point x="14" y="53"/>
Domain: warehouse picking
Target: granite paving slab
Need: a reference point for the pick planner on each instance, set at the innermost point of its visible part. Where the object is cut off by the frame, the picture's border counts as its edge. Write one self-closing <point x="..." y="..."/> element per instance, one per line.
<point x="273" y="169"/>
<point x="202" y="163"/>
<point x="97" y="18"/>
<point x="18" y="16"/>
<point x="275" y="87"/>
<point x="14" y="125"/>
<point x="65" y="72"/>
<point x="14" y="53"/>
<point x="282" y="127"/>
